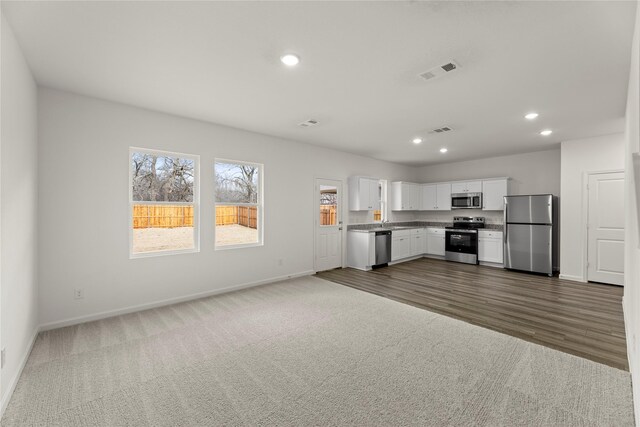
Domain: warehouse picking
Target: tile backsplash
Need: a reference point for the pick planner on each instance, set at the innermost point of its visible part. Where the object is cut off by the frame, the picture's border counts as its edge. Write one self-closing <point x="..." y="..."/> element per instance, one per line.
<point x="364" y="217"/>
<point x="491" y="217"/>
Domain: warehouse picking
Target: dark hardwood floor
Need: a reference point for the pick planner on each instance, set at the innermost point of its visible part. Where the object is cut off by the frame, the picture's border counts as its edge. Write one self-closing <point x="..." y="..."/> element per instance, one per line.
<point x="584" y="319"/>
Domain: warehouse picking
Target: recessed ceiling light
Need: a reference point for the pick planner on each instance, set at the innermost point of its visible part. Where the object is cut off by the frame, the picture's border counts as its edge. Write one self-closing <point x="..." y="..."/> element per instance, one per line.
<point x="443" y="150"/>
<point x="546" y="132"/>
<point x="290" y="60"/>
<point x="417" y="140"/>
<point x="531" y="116"/>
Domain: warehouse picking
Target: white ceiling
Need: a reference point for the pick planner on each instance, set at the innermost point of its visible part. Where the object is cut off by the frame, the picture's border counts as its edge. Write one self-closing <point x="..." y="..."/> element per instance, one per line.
<point x="219" y="62"/>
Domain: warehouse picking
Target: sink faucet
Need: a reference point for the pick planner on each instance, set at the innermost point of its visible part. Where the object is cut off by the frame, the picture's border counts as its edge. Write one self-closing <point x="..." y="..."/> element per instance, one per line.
<point x="384" y="221"/>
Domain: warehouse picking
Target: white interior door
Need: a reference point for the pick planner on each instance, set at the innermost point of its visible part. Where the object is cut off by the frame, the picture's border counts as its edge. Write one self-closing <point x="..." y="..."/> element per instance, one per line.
<point x="605" y="231"/>
<point x="328" y="224"/>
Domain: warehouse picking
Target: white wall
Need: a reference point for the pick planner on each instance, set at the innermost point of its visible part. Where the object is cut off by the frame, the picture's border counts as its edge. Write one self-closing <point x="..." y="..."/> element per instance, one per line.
<point x="580" y="156"/>
<point x="530" y="173"/>
<point x="84" y="148"/>
<point x="18" y="179"/>
<point x="631" y="300"/>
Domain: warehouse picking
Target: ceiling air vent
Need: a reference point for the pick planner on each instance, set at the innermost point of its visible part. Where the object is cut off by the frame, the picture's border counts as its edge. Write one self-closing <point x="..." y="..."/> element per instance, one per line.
<point x="308" y="123"/>
<point x="441" y="129"/>
<point x="449" y="67"/>
<point x="428" y="75"/>
<point x="440" y="70"/>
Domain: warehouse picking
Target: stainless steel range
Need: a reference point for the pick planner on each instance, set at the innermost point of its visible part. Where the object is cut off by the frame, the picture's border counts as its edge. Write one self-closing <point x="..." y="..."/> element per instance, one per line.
<point x="461" y="240"/>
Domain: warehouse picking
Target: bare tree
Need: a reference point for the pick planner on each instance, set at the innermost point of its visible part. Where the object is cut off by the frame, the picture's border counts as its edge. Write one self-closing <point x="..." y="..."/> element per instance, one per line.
<point x="236" y="183"/>
<point x="162" y="178"/>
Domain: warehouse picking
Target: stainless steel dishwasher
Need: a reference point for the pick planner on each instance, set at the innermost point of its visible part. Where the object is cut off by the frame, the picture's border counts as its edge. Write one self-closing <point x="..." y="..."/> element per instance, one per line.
<point x="383" y="248"/>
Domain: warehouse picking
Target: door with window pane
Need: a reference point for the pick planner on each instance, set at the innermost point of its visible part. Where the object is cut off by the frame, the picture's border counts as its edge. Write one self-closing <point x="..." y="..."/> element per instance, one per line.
<point x="328" y="224"/>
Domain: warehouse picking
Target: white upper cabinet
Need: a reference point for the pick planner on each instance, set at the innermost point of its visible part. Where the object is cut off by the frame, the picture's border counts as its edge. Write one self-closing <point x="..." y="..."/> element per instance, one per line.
<point x="436" y="197"/>
<point x="364" y="194"/>
<point x="458" y="187"/>
<point x="374" y="194"/>
<point x="429" y="197"/>
<point x="466" y="187"/>
<point x="493" y="191"/>
<point x="405" y="196"/>
<point x="444" y="197"/>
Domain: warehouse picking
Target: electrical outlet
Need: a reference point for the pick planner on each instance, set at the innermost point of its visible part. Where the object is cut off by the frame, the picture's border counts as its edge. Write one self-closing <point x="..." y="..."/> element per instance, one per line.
<point x="280" y="261"/>
<point x="3" y="357"/>
<point x="78" y="293"/>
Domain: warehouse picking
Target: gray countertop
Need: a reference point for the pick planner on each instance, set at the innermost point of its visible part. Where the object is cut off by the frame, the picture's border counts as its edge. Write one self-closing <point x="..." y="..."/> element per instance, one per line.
<point x="369" y="228"/>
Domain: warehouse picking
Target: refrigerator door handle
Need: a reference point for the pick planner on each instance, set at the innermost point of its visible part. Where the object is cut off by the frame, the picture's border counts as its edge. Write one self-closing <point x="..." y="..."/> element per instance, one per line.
<point x="506" y="227"/>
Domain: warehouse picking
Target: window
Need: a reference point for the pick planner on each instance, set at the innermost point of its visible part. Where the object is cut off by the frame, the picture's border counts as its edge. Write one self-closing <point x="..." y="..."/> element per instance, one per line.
<point x="163" y="200"/>
<point x="380" y="215"/>
<point x="328" y="205"/>
<point x="238" y="204"/>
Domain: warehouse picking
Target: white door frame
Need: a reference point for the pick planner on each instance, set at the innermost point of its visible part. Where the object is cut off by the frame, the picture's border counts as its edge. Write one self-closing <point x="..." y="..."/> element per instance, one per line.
<point x="342" y="210"/>
<point x="585" y="217"/>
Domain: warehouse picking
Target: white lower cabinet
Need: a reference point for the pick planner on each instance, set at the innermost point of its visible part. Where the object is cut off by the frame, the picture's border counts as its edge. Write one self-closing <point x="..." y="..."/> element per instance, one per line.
<point x="418" y="242"/>
<point x="435" y="241"/>
<point x="400" y="245"/>
<point x="490" y="246"/>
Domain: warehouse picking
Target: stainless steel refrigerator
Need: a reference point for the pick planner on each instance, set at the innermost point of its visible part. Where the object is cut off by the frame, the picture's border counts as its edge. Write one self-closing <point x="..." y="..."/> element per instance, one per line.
<point x="529" y="233"/>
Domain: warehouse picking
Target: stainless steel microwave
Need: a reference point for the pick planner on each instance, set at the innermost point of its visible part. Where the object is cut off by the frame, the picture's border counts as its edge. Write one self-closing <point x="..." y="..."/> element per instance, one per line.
<point x="466" y="201"/>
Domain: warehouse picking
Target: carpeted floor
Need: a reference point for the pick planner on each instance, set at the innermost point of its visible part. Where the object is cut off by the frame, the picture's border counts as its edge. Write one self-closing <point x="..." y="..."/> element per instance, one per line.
<point x="306" y="352"/>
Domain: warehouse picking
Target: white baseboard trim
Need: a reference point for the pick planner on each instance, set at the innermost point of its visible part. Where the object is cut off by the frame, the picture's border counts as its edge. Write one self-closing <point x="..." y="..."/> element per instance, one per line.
<point x="111" y="313"/>
<point x="635" y="385"/>
<point x="14" y="381"/>
<point x="573" y="278"/>
<point x="627" y="332"/>
<point x="399" y="261"/>
<point x="491" y="264"/>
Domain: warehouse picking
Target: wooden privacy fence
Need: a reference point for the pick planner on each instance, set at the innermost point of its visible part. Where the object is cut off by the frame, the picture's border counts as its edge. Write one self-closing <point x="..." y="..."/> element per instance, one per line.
<point x="328" y="215"/>
<point x="241" y="215"/>
<point x="168" y="216"/>
<point x="162" y="216"/>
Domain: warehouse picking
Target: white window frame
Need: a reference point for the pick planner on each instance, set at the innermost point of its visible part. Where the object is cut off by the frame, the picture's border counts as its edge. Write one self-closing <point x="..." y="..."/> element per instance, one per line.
<point x="259" y="204"/>
<point x="383" y="201"/>
<point x="195" y="203"/>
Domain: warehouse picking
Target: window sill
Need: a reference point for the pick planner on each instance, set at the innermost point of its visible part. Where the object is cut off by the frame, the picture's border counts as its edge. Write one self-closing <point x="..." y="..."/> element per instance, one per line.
<point x="244" y="245"/>
<point x="163" y="253"/>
